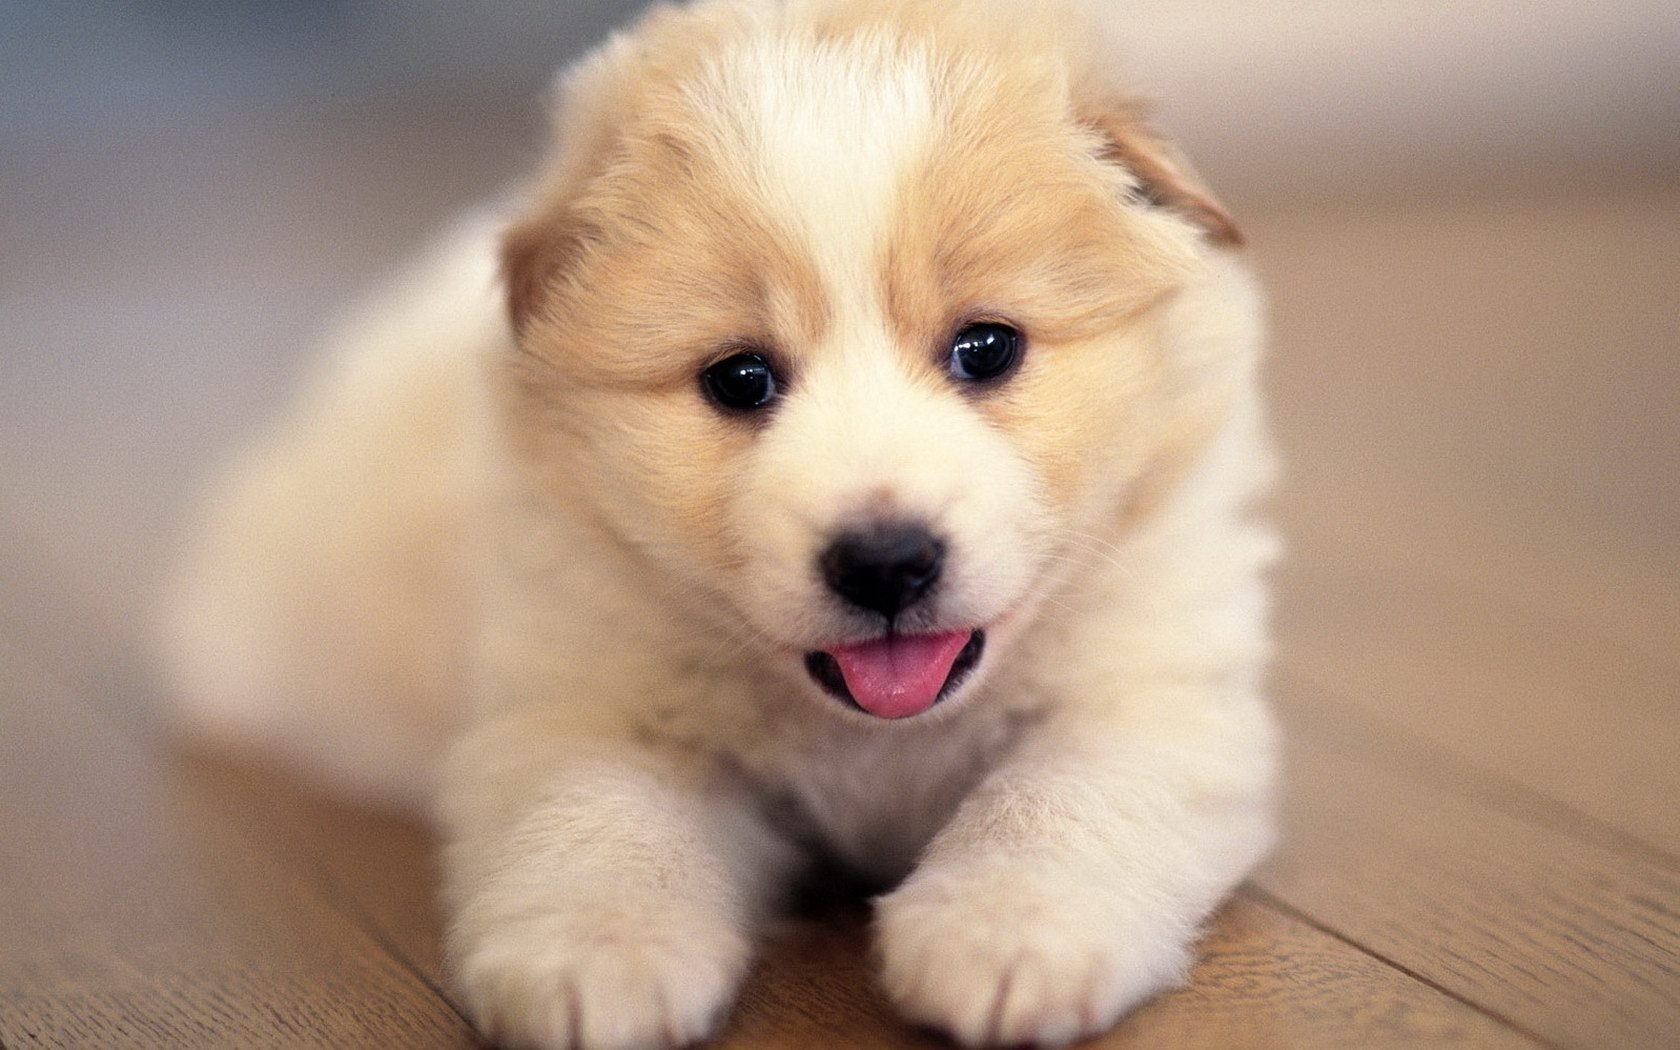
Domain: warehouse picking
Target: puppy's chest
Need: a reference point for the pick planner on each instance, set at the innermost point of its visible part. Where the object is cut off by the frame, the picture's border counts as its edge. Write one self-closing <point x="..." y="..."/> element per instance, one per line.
<point x="873" y="800"/>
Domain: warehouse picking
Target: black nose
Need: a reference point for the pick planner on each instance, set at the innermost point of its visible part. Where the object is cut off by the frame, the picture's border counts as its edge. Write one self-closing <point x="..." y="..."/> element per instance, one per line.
<point x="884" y="568"/>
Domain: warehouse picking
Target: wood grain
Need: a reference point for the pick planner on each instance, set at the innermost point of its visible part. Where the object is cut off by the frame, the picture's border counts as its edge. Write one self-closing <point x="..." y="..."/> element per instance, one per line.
<point x="1572" y="939"/>
<point x="1267" y="979"/>
<point x="136" y="913"/>
<point x="1264" y="979"/>
<point x="382" y="866"/>
<point x="1578" y="717"/>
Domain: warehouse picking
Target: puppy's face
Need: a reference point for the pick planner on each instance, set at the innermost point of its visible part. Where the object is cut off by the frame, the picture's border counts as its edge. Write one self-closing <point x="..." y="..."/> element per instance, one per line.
<point x="855" y="345"/>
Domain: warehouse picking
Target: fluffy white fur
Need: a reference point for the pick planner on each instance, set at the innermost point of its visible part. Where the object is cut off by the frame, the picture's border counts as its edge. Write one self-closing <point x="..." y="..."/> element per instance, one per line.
<point x="636" y="763"/>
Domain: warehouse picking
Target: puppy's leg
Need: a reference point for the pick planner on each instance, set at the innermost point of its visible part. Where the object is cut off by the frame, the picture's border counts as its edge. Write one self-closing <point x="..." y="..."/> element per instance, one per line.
<point x="602" y="894"/>
<point x="1070" y="885"/>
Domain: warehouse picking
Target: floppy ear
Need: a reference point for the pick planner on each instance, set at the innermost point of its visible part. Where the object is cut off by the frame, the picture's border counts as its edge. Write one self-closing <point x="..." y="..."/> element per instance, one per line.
<point x="534" y="251"/>
<point x="1164" y="178"/>
<point x="588" y="104"/>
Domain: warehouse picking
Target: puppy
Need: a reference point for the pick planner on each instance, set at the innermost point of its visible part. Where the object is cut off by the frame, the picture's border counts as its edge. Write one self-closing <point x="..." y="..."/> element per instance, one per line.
<point x="846" y="450"/>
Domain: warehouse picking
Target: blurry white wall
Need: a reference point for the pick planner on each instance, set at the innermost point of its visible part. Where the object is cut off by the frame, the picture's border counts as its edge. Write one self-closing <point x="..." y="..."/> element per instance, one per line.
<point x="1321" y="93"/>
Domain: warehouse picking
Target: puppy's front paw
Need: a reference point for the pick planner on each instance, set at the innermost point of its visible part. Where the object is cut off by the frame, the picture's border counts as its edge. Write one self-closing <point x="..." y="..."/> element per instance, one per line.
<point x="997" y="957"/>
<point x="600" y="979"/>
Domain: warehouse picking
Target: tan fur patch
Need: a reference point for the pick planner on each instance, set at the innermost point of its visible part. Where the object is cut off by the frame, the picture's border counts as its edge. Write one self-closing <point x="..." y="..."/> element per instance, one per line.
<point x="1018" y="216"/>
<point x="662" y="243"/>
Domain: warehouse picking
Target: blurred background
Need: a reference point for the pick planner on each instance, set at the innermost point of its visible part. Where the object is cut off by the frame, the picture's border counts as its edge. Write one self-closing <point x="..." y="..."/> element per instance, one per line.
<point x="1467" y="216"/>
<point x="189" y="189"/>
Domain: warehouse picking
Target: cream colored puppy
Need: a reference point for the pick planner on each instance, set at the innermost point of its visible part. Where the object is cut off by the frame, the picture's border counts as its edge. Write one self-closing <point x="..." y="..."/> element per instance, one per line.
<point x="854" y="462"/>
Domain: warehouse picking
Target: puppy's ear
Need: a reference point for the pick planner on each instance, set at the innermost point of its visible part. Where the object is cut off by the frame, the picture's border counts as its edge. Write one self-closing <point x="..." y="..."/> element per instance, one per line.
<point x="535" y="250"/>
<point x="589" y="103"/>
<point x="1164" y="178"/>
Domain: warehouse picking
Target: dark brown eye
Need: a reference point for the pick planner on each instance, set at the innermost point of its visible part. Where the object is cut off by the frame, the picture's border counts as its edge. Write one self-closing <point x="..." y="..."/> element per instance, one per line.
<point x="742" y="383"/>
<point x="986" y="351"/>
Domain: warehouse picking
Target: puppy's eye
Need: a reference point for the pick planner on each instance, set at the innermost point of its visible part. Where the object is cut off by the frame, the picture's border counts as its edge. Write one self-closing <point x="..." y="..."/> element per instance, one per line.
<point x="984" y="351"/>
<point x="743" y="382"/>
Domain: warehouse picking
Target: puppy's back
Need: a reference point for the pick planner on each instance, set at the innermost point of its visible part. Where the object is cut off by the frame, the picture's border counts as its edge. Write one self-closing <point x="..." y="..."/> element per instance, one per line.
<point x="319" y="614"/>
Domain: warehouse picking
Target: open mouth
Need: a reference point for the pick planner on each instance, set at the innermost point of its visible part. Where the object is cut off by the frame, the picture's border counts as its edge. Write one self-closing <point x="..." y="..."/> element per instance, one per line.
<point x="897" y="675"/>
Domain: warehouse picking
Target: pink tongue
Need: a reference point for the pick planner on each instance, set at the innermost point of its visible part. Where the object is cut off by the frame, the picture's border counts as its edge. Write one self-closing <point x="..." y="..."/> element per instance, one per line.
<point x="899" y="676"/>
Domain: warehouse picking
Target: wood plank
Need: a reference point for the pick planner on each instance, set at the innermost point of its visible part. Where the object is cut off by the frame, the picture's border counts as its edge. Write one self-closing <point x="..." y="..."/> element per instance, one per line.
<point x="1267" y="979"/>
<point x="381" y="866"/>
<point x="378" y="867"/>
<point x="1264" y="979"/>
<point x="135" y="912"/>
<point x="1477" y="620"/>
<point x="1564" y="936"/>
<point x="1481" y="500"/>
<point x="1575" y="716"/>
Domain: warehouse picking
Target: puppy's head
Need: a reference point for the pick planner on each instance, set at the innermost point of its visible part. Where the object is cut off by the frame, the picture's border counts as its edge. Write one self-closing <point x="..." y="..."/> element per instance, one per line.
<point x="848" y="319"/>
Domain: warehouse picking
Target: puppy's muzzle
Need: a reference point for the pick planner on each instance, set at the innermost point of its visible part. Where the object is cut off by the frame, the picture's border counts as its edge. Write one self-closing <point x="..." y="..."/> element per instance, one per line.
<point x="886" y="567"/>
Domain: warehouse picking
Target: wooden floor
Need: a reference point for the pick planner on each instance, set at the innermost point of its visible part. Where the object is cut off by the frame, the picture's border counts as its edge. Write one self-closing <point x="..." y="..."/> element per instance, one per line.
<point x="1480" y="402"/>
